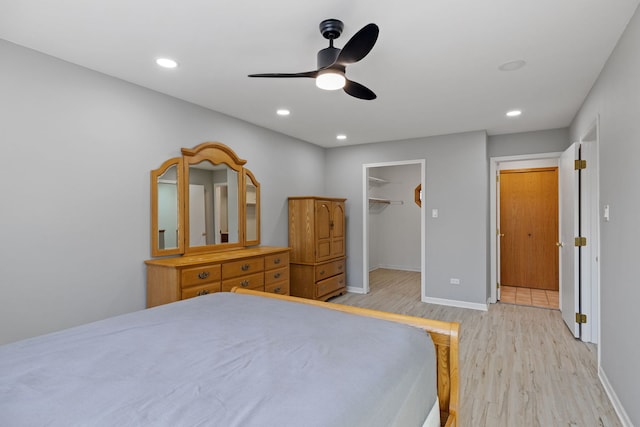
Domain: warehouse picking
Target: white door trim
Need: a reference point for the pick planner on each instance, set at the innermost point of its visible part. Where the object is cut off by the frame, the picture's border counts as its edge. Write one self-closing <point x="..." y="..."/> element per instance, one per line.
<point x="494" y="163"/>
<point x="365" y="222"/>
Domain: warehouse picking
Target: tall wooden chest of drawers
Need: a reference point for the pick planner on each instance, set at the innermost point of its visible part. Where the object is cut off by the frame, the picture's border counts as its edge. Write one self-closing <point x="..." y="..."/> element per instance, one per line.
<point x="317" y="241"/>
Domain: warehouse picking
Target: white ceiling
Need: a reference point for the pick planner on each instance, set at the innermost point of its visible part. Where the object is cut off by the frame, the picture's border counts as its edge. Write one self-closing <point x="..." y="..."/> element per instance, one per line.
<point x="434" y="67"/>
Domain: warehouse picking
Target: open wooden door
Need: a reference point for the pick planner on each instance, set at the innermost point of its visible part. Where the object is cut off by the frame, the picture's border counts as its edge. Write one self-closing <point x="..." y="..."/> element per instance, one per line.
<point x="569" y="226"/>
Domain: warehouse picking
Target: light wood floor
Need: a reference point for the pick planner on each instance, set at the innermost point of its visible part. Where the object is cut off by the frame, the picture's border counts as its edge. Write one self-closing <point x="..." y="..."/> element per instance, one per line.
<point x="519" y="366"/>
<point x="528" y="296"/>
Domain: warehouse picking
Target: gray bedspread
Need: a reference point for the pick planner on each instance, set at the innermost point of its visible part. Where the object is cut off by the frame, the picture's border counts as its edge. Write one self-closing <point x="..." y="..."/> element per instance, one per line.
<point x="221" y="360"/>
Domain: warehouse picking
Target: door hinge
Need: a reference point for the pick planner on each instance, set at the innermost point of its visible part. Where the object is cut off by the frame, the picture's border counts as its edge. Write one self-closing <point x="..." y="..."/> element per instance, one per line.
<point x="580" y="164"/>
<point x="581" y="241"/>
<point x="498" y="285"/>
<point x="581" y="318"/>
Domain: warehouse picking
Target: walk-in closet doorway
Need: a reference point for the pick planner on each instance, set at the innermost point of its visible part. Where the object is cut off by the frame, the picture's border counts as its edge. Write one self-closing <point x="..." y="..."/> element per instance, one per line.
<point x="393" y="221"/>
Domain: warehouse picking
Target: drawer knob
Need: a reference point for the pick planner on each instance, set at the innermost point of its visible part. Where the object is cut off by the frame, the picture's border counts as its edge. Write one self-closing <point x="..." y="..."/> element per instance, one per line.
<point x="276" y="276"/>
<point x="340" y="267"/>
<point x="321" y="272"/>
<point x="203" y="275"/>
<point x="277" y="290"/>
<point x="244" y="283"/>
<point x="202" y="292"/>
<point x="245" y="267"/>
<point x="276" y="261"/>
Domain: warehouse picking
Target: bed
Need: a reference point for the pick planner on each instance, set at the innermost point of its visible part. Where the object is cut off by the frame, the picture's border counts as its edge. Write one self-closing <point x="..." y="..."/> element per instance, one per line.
<point x="243" y="358"/>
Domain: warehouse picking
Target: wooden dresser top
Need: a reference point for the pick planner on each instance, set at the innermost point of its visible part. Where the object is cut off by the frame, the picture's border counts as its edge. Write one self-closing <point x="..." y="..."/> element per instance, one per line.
<point x="213" y="257"/>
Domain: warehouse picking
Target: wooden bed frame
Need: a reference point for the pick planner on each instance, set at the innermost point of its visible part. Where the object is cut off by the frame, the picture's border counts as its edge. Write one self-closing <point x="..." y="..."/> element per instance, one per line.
<point x="443" y="334"/>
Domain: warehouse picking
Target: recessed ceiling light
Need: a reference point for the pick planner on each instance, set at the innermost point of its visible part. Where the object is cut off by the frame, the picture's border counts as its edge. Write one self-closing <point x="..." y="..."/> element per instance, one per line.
<point x="514" y="113"/>
<point x="283" y="112"/>
<point x="166" y="63"/>
<point x="512" y="65"/>
<point x="341" y="137"/>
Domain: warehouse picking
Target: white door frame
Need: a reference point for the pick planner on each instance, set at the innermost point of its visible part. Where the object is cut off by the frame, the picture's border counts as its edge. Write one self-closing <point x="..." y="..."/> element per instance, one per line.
<point x="494" y="163"/>
<point x="365" y="222"/>
<point x="591" y="271"/>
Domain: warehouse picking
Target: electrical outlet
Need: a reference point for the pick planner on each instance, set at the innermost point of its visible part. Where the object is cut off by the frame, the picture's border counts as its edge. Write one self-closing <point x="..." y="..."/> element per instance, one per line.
<point x="454" y="281"/>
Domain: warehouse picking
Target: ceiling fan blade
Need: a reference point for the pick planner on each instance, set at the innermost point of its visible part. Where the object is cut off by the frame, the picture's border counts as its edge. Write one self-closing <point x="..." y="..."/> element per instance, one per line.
<point x="311" y="74"/>
<point x="359" y="45"/>
<point x="359" y="91"/>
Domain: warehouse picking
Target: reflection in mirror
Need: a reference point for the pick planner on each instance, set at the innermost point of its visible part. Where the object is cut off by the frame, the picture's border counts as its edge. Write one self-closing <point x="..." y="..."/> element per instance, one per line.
<point x="168" y="209"/>
<point x="252" y="207"/>
<point x="213" y="204"/>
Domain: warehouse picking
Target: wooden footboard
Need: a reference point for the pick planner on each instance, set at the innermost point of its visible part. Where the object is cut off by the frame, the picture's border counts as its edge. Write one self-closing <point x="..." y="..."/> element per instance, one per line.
<point x="443" y="334"/>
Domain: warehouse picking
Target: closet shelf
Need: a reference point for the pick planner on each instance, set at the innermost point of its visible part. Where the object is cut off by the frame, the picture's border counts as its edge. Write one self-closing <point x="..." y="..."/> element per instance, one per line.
<point x="381" y="201"/>
<point x="378" y="180"/>
<point x="385" y="201"/>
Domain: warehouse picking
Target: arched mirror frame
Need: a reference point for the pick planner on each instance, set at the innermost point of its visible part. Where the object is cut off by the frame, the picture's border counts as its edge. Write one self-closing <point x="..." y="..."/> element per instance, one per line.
<point x="216" y="153"/>
<point x="156" y="174"/>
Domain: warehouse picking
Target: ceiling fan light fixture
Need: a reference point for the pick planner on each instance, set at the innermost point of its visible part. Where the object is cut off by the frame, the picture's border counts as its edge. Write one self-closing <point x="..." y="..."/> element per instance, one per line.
<point x="330" y="80"/>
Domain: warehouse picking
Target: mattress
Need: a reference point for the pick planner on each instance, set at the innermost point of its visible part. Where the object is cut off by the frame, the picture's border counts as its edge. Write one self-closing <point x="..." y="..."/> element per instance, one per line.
<point x="222" y="360"/>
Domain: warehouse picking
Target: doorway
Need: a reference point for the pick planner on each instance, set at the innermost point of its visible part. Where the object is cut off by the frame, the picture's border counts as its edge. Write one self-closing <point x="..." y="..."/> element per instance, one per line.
<point x="587" y="269"/>
<point x="394" y="201"/>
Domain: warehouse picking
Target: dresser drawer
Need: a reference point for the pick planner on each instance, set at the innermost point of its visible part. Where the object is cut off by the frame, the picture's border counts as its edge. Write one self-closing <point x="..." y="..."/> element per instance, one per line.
<point x="329" y="285"/>
<point x="250" y="281"/>
<point x="281" y="288"/>
<point x="276" y="261"/>
<point x="241" y="268"/>
<point x="329" y="269"/>
<point x="273" y="276"/>
<point x="195" y="291"/>
<point x="200" y="275"/>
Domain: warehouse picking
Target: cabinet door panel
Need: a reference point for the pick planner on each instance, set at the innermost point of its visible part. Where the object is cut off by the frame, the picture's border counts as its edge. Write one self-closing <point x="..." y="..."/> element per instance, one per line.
<point x="337" y="229"/>
<point x="323" y="219"/>
<point x="323" y="229"/>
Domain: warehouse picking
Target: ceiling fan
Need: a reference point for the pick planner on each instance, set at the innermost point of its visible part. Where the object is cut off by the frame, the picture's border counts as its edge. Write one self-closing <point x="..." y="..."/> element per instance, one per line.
<point x="332" y="62"/>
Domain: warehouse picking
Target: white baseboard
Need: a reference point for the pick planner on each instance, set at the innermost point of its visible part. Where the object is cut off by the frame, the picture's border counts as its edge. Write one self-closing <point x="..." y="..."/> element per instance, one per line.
<point x="355" y="290"/>
<point x="455" y="303"/>
<point x="399" y="267"/>
<point x="613" y="397"/>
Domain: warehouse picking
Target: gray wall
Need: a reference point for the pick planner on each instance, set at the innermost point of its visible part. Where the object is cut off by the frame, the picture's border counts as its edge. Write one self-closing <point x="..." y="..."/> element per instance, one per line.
<point x="456" y="185"/>
<point x="615" y="99"/>
<point x="75" y="227"/>
<point x="515" y="144"/>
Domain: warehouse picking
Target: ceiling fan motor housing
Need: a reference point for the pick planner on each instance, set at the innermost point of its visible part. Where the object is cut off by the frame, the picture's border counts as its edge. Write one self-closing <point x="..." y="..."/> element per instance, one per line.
<point x="327" y="56"/>
<point x="331" y="28"/>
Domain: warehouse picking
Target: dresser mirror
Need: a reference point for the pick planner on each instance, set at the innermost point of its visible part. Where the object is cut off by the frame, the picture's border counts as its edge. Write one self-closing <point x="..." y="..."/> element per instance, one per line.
<point x="166" y="209"/>
<point x="203" y="202"/>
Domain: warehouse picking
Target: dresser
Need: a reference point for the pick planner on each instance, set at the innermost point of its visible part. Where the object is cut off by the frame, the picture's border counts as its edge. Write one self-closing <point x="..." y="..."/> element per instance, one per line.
<point x="317" y="241"/>
<point x="264" y="268"/>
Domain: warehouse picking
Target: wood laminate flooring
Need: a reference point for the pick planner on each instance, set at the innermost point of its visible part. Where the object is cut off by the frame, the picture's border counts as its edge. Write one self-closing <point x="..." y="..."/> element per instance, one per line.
<point x="519" y="366"/>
